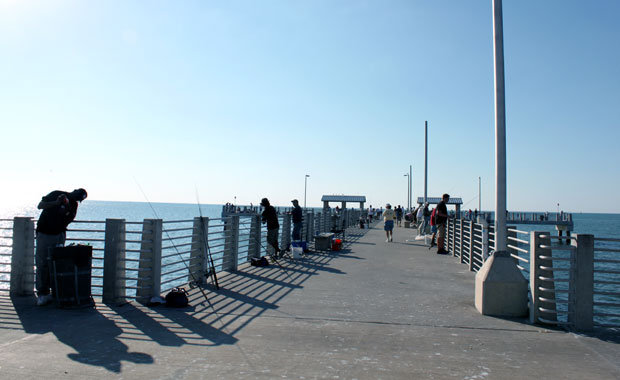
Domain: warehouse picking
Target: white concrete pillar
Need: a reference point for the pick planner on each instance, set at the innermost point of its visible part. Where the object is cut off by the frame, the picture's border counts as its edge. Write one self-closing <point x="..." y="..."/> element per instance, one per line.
<point x="114" y="262"/>
<point x="286" y="231"/>
<point x="198" y="257"/>
<point x="581" y="309"/>
<point x="459" y="253"/>
<point x="501" y="289"/>
<point x="231" y="244"/>
<point x="22" y="259"/>
<point x="149" y="276"/>
<point x="255" y="238"/>
<point x="471" y="245"/>
<point x="311" y="227"/>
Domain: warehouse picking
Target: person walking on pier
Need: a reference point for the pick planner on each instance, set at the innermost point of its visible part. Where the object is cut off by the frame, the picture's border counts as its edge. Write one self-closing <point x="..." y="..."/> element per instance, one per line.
<point x="399" y="215"/>
<point x="59" y="209"/>
<point x="388" y="219"/>
<point x="297" y="215"/>
<point x="433" y="228"/>
<point x="441" y="217"/>
<point x="270" y="216"/>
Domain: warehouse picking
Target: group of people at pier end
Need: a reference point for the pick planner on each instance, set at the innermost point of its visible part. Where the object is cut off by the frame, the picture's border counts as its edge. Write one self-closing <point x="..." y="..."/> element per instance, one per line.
<point x="436" y="218"/>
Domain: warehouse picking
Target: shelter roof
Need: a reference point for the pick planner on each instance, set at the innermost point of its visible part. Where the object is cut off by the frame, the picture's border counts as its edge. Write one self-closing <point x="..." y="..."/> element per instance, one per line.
<point x="436" y="200"/>
<point x="343" y="198"/>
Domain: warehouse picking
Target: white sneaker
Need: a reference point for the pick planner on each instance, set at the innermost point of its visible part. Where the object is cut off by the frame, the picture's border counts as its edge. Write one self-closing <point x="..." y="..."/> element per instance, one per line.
<point x="44" y="300"/>
<point x="387" y="240"/>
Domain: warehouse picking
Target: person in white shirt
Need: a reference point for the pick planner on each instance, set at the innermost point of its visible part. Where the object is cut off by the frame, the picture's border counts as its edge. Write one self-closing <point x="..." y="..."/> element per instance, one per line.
<point x="388" y="219"/>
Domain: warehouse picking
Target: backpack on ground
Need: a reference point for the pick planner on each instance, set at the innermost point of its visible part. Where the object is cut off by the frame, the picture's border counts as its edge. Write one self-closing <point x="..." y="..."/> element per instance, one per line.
<point x="177" y="297"/>
<point x="259" y="262"/>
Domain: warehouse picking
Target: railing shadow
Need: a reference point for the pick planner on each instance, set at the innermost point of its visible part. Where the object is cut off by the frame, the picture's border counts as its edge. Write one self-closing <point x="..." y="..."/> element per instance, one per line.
<point x="98" y="335"/>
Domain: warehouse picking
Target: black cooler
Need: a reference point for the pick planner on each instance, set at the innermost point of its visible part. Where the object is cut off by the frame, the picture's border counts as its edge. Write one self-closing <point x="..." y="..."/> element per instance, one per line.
<point x="70" y="275"/>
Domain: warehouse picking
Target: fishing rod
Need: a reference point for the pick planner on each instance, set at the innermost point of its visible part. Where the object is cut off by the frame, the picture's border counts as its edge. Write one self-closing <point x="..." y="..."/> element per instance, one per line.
<point x="205" y="241"/>
<point x="194" y="280"/>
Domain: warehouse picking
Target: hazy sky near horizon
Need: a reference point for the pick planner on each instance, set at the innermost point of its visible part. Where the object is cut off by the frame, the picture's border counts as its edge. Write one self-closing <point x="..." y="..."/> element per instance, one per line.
<point x="243" y="98"/>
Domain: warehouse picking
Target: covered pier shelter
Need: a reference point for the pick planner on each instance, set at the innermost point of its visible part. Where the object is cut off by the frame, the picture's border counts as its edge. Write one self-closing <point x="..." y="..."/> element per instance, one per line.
<point x="343" y="199"/>
<point x="457" y="202"/>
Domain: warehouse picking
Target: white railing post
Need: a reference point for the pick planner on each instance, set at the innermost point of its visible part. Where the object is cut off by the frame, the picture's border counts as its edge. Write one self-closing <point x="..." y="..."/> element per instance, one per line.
<point x="114" y="261"/>
<point x="254" y="242"/>
<point x="231" y="244"/>
<point x="583" y="282"/>
<point x="471" y="246"/>
<point x="198" y="262"/>
<point x="149" y="276"/>
<point x="449" y="236"/>
<point x="22" y="260"/>
<point x="460" y="249"/>
<point x="309" y="226"/>
<point x="542" y="287"/>
<point x="327" y="223"/>
<point x="286" y="231"/>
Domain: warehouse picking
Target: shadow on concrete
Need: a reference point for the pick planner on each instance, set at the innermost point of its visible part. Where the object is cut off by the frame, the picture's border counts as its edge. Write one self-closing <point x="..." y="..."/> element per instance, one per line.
<point x="253" y="291"/>
<point x="90" y="333"/>
<point x="97" y="334"/>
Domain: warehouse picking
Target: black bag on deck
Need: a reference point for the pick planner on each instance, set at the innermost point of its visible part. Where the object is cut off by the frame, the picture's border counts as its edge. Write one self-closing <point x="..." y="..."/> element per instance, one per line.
<point x="259" y="262"/>
<point x="70" y="275"/>
<point x="177" y="297"/>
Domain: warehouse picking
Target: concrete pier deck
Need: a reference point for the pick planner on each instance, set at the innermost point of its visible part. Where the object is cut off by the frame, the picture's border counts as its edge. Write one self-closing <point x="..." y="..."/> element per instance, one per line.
<point x="375" y="310"/>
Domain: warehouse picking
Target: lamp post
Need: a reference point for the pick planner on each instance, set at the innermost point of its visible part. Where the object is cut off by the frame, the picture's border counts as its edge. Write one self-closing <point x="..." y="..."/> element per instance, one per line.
<point x="501" y="288"/>
<point x="305" y="189"/>
<point x="408" y="188"/>
<point x="500" y="131"/>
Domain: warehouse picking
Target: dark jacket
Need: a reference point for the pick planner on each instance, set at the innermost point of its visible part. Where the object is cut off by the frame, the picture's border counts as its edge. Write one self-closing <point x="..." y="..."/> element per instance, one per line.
<point x="297" y="214"/>
<point x="271" y="217"/>
<point x="55" y="220"/>
<point x="441" y="207"/>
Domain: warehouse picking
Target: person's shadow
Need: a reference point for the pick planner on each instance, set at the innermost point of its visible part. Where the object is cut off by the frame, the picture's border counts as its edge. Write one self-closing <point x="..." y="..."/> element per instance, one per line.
<point x="90" y="333"/>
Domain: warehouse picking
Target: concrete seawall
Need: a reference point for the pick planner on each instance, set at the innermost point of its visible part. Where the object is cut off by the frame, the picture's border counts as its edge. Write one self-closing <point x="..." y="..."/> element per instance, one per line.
<point x="375" y="310"/>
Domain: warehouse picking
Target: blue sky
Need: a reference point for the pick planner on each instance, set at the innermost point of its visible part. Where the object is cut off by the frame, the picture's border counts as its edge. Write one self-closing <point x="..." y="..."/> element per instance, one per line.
<point x="243" y="98"/>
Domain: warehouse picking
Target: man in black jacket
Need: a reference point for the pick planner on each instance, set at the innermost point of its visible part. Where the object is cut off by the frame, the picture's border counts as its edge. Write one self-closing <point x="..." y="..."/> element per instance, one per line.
<point x="297" y="215"/>
<point x="59" y="209"/>
<point x="270" y="217"/>
<point x="441" y="217"/>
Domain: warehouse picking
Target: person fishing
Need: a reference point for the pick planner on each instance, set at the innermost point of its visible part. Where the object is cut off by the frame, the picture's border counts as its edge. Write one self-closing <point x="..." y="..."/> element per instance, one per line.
<point x="270" y="217"/>
<point x="297" y="215"/>
<point x="59" y="210"/>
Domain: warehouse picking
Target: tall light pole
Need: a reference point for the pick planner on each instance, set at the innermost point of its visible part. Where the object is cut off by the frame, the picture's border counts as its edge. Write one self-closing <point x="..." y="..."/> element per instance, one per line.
<point x="501" y="288"/>
<point x="501" y="244"/>
<point x="408" y="188"/>
<point x="425" y="159"/>
<point x="479" y="198"/>
<point x="305" y="188"/>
